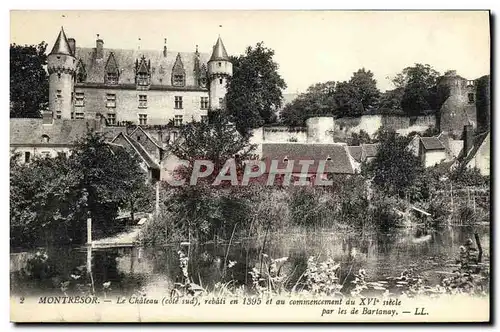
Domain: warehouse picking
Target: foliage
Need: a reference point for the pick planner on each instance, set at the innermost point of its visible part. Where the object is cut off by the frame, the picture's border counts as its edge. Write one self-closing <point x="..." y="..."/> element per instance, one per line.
<point x="254" y="92"/>
<point x="29" y="85"/>
<point x="390" y="100"/>
<point x="357" y="139"/>
<point x="51" y="197"/>
<point x="216" y="141"/>
<point x="483" y="102"/>
<point x="420" y="91"/>
<point x="395" y="170"/>
<point x="318" y="100"/>
<point x="322" y="278"/>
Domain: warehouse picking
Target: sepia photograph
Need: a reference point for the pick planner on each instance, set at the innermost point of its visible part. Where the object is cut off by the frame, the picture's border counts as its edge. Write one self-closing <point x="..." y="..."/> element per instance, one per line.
<point x="250" y="166"/>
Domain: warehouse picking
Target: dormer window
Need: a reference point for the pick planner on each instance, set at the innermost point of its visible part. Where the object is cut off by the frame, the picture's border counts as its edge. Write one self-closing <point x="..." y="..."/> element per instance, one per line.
<point x="142" y="79"/>
<point x="328" y="158"/>
<point x="45" y="138"/>
<point x="203" y="81"/>
<point x="111" y="78"/>
<point x="179" y="80"/>
<point x="285" y="160"/>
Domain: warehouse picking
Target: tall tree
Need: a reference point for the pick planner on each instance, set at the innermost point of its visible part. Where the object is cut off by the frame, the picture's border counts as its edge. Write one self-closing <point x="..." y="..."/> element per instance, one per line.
<point x="395" y="170"/>
<point x="29" y="86"/>
<point x="255" y="90"/>
<point x="419" y="84"/>
<point x="365" y="89"/>
<point x="217" y="141"/>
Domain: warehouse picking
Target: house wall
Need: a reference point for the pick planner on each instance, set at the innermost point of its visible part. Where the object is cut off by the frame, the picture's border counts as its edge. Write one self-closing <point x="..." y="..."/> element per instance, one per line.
<point x="160" y="104"/>
<point x="38" y="152"/>
<point x="431" y="158"/>
<point x="482" y="159"/>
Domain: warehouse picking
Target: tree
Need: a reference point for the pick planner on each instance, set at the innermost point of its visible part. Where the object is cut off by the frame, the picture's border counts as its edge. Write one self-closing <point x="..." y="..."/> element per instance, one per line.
<point x="254" y="92"/>
<point x="318" y="100"/>
<point x="359" y="138"/>
<point x="50" y="198"/>
<point x="29" y="86"/>
<point x="390" y="101"/>
<point x="395" y="170"/>
<point x="419" y="86"/>
<point x="217" y="141"/>
<point x="358" y="95"/>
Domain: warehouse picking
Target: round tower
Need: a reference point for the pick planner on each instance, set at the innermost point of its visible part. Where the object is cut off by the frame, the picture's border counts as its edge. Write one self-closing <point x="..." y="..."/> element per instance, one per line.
<point x="219" y="70"/>
<point x="61" y="65"/>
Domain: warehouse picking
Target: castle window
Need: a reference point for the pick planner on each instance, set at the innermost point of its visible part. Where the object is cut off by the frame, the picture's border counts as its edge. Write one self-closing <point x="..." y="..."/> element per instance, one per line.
<point x="143" y="101"/>
<point x="111" y="78"/>
<point x="110" y="100"/>
<point x="285" y="160"/>
<point x="178" y="102"/>
<point x="142" y="79"/>
<point x="204" y="103"/>
<point x="143" y="119"/>
<point x="27" y="157"/>
<point x="470" y="96"/>
<point x="45" y="138"/>
<point x="220" y="80"/>
<point x="79" y="99"/>
<point x="328" y="158"/>
<point x="179" y="80"/>
<point x="470" y="83"/>
<point x="79" y="116"/>
<point x="111" y="118"/>
<point x="220" y="64"/>
<point x="178" y="120"/>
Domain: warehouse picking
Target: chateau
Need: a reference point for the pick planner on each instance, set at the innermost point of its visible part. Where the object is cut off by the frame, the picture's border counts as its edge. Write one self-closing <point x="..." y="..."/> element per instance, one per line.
<point x="139" y="99"/>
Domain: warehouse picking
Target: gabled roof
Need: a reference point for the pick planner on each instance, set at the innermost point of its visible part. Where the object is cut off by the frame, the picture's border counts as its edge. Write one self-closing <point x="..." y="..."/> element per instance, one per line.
<point x="219" y="51"/>
<point x="337" y="157"/>
<point x="29" y="132"/>
<point x="478" y="142"/>
<point x="152" y="139"/>
<point x="432" y="143"/>
<point x="61" y="46"/>
<point x="161" y="66"/>
<point x="178" y="65"/>
<point x="111" y="66"/>
<point x="139" y="149"/>
<point x="356" y="152"/>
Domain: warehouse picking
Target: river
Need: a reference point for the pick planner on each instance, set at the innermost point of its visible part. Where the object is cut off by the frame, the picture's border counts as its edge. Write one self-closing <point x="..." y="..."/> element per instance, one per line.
<point x="129" y="270"/>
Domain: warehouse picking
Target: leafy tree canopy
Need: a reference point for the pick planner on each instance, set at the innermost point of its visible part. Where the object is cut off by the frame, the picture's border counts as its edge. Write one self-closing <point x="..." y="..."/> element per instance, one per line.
<point x="254" y="92"/>
<point x="29" y="86"/>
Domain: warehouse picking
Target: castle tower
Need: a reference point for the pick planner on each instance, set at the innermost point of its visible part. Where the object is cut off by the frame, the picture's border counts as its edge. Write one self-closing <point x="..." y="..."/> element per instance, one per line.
<point x="61" y="65"/>
<point x="219" y="70"/>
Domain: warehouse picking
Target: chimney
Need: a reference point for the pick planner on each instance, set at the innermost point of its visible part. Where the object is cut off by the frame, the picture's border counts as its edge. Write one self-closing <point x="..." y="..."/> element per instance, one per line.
<point x="165" y="48"/>
<point x="99" y="48"/>
<point x="47" y="117"/>
<point x="160" y="136"/>
<point x="468" y="138"/>
<point x="72" y="45"/>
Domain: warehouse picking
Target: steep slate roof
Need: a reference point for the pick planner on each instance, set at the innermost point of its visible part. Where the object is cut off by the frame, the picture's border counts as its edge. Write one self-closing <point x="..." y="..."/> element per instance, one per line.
<point x="219" y="51"/>
<point x="61" y="46"/>
<point x="432" y="143"/>
<point x="478" y="142"/>
<point x="151" y="138"/>
<point x="61" y="132"/>
<point x="161" y="67"/>
<point x="356" y="152"/>
<point x="341" y="161"/>
<point x="139" y="149"/>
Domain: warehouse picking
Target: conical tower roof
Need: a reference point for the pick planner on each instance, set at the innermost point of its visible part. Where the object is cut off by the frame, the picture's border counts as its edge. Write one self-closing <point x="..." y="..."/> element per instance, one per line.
<point x="61" y="45"/>
<point x="219" y="52"/>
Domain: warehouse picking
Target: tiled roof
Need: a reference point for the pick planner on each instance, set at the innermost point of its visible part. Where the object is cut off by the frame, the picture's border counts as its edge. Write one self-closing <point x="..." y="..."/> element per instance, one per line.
<point x="60" y="132"/>
<point x="219" y="51"/>
<point x="140" y="150"/>
<point x="432" y="143"/>
<point x="61" y="46"/>
<point x="151" y="138"/>
<point x="369" y="150"/>
<point x="356" y="152"/>
<point x="161" y="66"/>
<point x="340" y="162"/>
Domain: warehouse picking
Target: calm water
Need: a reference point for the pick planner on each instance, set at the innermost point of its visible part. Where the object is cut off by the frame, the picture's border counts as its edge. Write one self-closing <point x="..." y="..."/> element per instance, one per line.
<point x="140" y="268"/>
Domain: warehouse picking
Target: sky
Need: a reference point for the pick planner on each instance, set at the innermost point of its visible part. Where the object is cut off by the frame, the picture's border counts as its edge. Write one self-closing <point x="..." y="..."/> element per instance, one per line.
<point x="310" y="46"/>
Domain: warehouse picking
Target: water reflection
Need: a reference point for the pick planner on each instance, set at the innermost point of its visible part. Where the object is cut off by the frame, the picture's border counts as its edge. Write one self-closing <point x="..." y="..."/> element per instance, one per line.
<point x="138" y="269"/>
